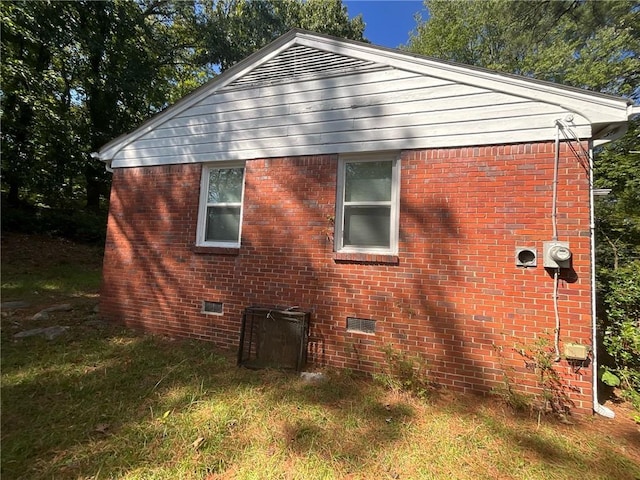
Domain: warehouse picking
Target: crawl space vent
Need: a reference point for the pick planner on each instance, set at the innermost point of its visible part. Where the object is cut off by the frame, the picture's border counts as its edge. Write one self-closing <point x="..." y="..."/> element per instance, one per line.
<point x="212" y="307"/>
<point x="361" y="325"/>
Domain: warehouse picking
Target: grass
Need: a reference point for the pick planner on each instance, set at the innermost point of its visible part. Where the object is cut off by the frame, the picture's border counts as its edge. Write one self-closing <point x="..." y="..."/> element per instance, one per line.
<point x="102" y="402"/>
<point x="59" y="279"/>
<point x="36" y="267"/>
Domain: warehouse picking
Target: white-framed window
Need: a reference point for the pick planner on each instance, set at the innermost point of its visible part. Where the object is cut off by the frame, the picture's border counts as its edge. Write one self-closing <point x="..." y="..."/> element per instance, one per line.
<point x="367" y="207"/>
<point x="220" y="213"/>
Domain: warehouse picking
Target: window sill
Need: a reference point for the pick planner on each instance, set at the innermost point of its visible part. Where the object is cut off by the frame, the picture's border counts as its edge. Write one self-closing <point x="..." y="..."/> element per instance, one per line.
<point x="215" y="250"/>
<point x="366" y="258"/>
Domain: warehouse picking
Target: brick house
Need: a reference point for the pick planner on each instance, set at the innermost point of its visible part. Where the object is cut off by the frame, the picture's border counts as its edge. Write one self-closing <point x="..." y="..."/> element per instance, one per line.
<point x="401" y="200"/>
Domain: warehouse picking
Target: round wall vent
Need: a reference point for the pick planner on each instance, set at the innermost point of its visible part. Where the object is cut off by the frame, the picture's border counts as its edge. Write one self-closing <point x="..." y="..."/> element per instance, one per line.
<point x="526" y="257"/>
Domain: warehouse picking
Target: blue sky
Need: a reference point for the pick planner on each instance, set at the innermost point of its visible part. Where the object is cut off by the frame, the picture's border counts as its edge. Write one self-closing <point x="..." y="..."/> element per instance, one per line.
<point x="388" y="21"/>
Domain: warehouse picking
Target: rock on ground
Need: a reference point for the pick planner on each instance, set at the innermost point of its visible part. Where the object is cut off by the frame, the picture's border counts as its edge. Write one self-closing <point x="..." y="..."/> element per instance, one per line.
<point x="44" y="314"/>
<point x="16" y="305"/>
<point x="48" y="332"/>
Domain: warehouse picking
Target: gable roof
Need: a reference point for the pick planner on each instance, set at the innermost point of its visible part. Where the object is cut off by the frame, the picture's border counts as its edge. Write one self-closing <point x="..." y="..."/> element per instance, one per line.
<point x="307" y="93"/>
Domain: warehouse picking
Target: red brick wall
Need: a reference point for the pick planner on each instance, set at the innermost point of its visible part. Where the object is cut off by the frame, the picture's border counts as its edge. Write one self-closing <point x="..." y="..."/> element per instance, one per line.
<point x="455" y="294"/>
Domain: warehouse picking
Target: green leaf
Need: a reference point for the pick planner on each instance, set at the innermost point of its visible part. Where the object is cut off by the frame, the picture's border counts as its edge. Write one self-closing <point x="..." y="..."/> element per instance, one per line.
<point x="610" y="379"/>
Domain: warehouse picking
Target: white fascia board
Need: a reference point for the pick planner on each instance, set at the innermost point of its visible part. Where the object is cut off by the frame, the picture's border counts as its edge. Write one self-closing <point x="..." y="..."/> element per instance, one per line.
<point x="596" y="107"/>
<point x="111" y="149"/>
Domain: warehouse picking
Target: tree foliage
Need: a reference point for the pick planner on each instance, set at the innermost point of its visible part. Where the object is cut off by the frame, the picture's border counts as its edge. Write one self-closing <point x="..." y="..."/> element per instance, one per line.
<point x="587" y="44"/>
<point x="78" y="74"/>
<point x="236" y="28"/>
<point x="74" y="75"/>
<point x="622" y="330"/>
<point x="617" y="168"/>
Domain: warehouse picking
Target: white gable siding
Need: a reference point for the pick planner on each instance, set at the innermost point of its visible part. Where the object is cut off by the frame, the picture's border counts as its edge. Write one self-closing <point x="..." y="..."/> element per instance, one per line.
<point x="361" y="111"/>
<point x="312" y="94"/>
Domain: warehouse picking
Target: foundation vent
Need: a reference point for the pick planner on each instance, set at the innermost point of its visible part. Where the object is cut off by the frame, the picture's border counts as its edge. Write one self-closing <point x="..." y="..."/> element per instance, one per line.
<point x="212" y="307"/>
<point x="361" y="325"/>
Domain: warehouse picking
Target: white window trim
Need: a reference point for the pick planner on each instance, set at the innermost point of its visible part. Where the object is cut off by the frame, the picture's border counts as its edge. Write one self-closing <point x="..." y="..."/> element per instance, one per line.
<point x="202" y="208"/>
<point x="395" y="202"/>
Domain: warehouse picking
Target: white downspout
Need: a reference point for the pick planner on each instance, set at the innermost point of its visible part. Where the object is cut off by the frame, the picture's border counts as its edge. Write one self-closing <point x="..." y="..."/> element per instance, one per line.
<point x="597" y="408"/>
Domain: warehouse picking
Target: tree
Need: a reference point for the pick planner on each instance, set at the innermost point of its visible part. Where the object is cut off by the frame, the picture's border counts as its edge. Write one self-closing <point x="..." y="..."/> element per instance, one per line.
<point x="587" y="44"/>
<point x="124" y="48"/>
<point x="234" y="29"/>
<point x="77" y="74"/>
<point x="617" y="168"/>
<point x="29" y="106"/>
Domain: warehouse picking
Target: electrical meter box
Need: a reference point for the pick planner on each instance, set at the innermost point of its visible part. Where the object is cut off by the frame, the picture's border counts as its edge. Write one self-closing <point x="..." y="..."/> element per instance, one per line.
<point x="557" y="254"/>
<point x="576" y="351"/>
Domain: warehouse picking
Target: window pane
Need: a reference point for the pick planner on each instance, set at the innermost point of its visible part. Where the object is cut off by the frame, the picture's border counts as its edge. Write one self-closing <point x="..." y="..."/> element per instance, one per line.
<point x="223" y="224"/>
<point x="367" y="226"/>
<point x="225" y="185"/>
<point x="368" y="181"/>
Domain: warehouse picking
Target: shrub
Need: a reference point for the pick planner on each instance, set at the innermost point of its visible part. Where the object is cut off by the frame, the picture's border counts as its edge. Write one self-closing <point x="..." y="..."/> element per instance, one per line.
<point x="622" y="332"/>
<point x="539" y="356"/>
<point x="404" y="372"/>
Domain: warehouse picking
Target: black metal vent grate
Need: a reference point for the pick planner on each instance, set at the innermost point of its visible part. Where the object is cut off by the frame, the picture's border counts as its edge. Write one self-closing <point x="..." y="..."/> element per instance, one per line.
<point x="361" y="325"/>
<point x="212" y="307"/>
<point x="299" y="61"/>
<point x="272" y="338"/>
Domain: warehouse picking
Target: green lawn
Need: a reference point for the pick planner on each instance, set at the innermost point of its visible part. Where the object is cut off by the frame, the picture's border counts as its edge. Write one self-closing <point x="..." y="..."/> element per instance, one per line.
<point x="102" y="402"/>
